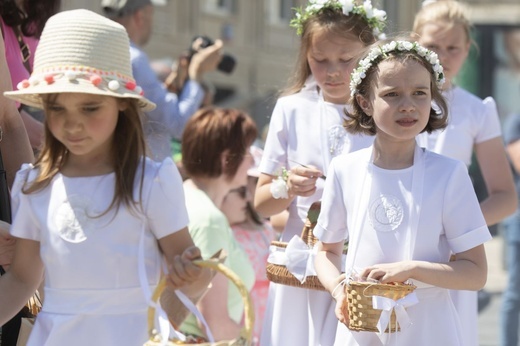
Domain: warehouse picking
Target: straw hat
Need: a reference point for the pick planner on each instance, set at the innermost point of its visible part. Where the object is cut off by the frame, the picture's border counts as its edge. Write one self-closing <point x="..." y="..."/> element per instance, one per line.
<point x="81" y="52"/>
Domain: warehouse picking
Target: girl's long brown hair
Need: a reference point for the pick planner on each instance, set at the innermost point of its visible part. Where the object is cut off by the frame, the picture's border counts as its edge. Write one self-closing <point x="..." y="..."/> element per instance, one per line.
<point x="128" y="150"/>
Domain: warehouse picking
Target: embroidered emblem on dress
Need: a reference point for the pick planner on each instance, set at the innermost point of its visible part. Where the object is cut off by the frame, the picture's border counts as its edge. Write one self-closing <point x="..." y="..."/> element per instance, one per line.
<point x="72" y="218"/>
<point x="386" y="213"/>
<point x="337" y="139"/>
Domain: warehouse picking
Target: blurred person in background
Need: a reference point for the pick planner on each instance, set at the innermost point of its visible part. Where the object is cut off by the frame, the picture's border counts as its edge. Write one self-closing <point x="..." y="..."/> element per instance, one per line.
<point x="510" y="311"/>
<point x="168" y="119"/>
<point x="254" y="233"/>
<point x="216" y="158"/>
<point x="473" y="127"/>
<point x="22" y="22"/>
<point x="16" y="150"/>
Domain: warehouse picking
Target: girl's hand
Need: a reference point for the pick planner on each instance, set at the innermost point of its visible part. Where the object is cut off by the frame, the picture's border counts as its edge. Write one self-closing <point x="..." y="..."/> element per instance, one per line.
<point x="182" y="271"/>
<point x="338" y="293"/>
<point x="302" y="180"/>
<point x="389" y="272"/>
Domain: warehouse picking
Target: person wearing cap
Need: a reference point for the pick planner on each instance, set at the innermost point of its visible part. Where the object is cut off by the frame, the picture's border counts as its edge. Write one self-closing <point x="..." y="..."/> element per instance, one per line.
<point x="168" y="119"/>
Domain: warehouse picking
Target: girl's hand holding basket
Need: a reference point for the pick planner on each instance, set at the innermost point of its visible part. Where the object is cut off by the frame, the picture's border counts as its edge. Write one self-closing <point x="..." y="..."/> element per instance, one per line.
<point x="339" y="295"/>
<point x="182" y="271"/>
<point x="387" y="273"/>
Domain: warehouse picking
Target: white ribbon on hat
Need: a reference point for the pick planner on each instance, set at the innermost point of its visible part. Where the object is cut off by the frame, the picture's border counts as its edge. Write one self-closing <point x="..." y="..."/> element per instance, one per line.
<point x="298" y="258"/>
<point x="399" y="306"/>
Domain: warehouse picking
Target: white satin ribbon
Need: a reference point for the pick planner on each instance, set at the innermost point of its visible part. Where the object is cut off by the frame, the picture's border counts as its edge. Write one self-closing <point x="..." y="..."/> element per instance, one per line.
<point x="399" y="306"/>
<point x="298" y="258"/>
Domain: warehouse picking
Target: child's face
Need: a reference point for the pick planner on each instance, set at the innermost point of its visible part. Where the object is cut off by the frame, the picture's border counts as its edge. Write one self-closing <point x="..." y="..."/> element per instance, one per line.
<point x="84" y="123"/>
<point x="234" y="205"/>
<point x="450" y="42"/>
<point x="400" y="100"/>
<point x="331" y="60"/>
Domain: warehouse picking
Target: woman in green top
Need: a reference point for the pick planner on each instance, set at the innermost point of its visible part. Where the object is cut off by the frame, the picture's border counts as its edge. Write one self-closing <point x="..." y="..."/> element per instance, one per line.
<point x="215" y="155"/>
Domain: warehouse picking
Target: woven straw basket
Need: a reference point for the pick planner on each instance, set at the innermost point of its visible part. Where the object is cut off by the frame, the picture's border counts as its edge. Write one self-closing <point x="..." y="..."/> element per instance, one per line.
<point x="279" y="273"/>
<point x="246" y="334"/>
<point x="358" y="304"/>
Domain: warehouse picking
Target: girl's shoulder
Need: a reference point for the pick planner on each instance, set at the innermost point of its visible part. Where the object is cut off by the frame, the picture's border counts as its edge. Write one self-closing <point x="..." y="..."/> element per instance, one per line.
<point x="351" y="164"/>
<point x="438" y="165"/>
<point x="301" y="96"/>
<point x="152" y="168"/>
<point x="471" y="101"/>
<point x="27" y="173"/>
<point x="354" y="156"/>
<point x="158" y="175"/>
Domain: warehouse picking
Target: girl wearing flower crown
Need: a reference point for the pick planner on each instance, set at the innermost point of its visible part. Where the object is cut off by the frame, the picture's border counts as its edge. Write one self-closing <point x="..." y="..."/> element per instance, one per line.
<point x="305" y="132"/>
<point x="474" y="125"/>
<point x="93" y="215"/>
<point x="404" y="209"/>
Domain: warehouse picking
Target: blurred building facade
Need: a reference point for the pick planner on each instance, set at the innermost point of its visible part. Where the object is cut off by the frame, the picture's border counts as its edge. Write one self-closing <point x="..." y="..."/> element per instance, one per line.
<point x="257" y="34"/>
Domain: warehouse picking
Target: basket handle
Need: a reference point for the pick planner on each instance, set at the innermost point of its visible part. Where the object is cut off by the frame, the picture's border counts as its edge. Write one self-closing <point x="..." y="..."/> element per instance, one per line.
<point x="247" y="331"/>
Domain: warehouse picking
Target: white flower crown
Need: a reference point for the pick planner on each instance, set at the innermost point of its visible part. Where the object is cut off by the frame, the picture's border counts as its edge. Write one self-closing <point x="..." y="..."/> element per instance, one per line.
<point x="374" y="17"/>
<point x="382" y="51"/>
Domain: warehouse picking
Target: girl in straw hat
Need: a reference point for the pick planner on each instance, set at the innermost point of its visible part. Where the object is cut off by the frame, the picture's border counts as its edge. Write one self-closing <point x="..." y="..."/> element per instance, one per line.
<point x="93" y="214"/>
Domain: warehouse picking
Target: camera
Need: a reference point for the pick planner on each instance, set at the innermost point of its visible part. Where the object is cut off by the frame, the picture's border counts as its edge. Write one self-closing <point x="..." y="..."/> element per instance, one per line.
<point x="227" y="63"/>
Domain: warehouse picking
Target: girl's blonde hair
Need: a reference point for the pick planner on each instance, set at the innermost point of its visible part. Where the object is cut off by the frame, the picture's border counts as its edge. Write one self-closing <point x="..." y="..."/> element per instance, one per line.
<point x="330" y="20"/>
<point x="128" y="150"/>
<point x="359" y="122"/>
<point x="450" y="12"/>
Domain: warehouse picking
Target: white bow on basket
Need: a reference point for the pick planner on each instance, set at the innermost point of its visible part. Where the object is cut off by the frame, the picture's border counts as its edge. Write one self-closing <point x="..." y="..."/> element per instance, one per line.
<point x="298" y="258"/>
<point x="388" y="305"/>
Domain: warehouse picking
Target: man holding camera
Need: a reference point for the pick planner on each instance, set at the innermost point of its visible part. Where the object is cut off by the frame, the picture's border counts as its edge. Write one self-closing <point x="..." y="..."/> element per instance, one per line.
<point x="167" y="121"/>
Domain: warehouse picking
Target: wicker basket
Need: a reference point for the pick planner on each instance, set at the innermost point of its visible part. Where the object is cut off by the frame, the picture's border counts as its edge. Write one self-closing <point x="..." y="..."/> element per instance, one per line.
<point x="279" y="273"/>
<point x="358" y="304"/>
<point x="246" y="334"/>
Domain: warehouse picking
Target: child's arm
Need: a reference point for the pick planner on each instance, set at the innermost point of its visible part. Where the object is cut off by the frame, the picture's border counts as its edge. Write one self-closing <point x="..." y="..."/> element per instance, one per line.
<point x="501" y="200"/>
<point x="179" y="250"/>
<point x="467" y="272"/>
<point x="7" y="244"/>
<point x="327" y="264"/>
<point x="22" y="279"/>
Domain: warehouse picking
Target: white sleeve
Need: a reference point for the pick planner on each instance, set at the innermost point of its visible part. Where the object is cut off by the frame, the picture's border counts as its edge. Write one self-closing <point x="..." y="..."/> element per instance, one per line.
<point x="489" y="123"/>
<point x="275" y="149"/>
<point x="24" y="223"/>
<point x="166" y="208"/>
<point x="332" y="222"/>
<point x="463" y="222"/>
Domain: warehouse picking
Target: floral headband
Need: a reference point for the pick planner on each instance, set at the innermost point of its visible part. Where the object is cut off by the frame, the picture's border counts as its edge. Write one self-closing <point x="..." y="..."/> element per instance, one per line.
<point x="374" y="17"/>
<point x="382" y="51"/>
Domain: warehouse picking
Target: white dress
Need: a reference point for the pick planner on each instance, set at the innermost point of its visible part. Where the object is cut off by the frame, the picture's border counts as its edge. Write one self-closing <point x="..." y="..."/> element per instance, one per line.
<point x="93" y="294"/>
<point x="471" y="121"/>
<point x="423" y="212"/>
<point x="303" y="130"/>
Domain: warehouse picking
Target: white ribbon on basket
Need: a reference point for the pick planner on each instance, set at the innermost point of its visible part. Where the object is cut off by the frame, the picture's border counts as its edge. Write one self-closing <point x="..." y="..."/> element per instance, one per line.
<point x="399" y="306"/>
<point x="298" y="258"/>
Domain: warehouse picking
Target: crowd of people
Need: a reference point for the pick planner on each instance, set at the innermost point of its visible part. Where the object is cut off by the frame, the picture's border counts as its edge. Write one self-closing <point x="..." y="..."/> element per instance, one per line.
<point x="372" y="125"/>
